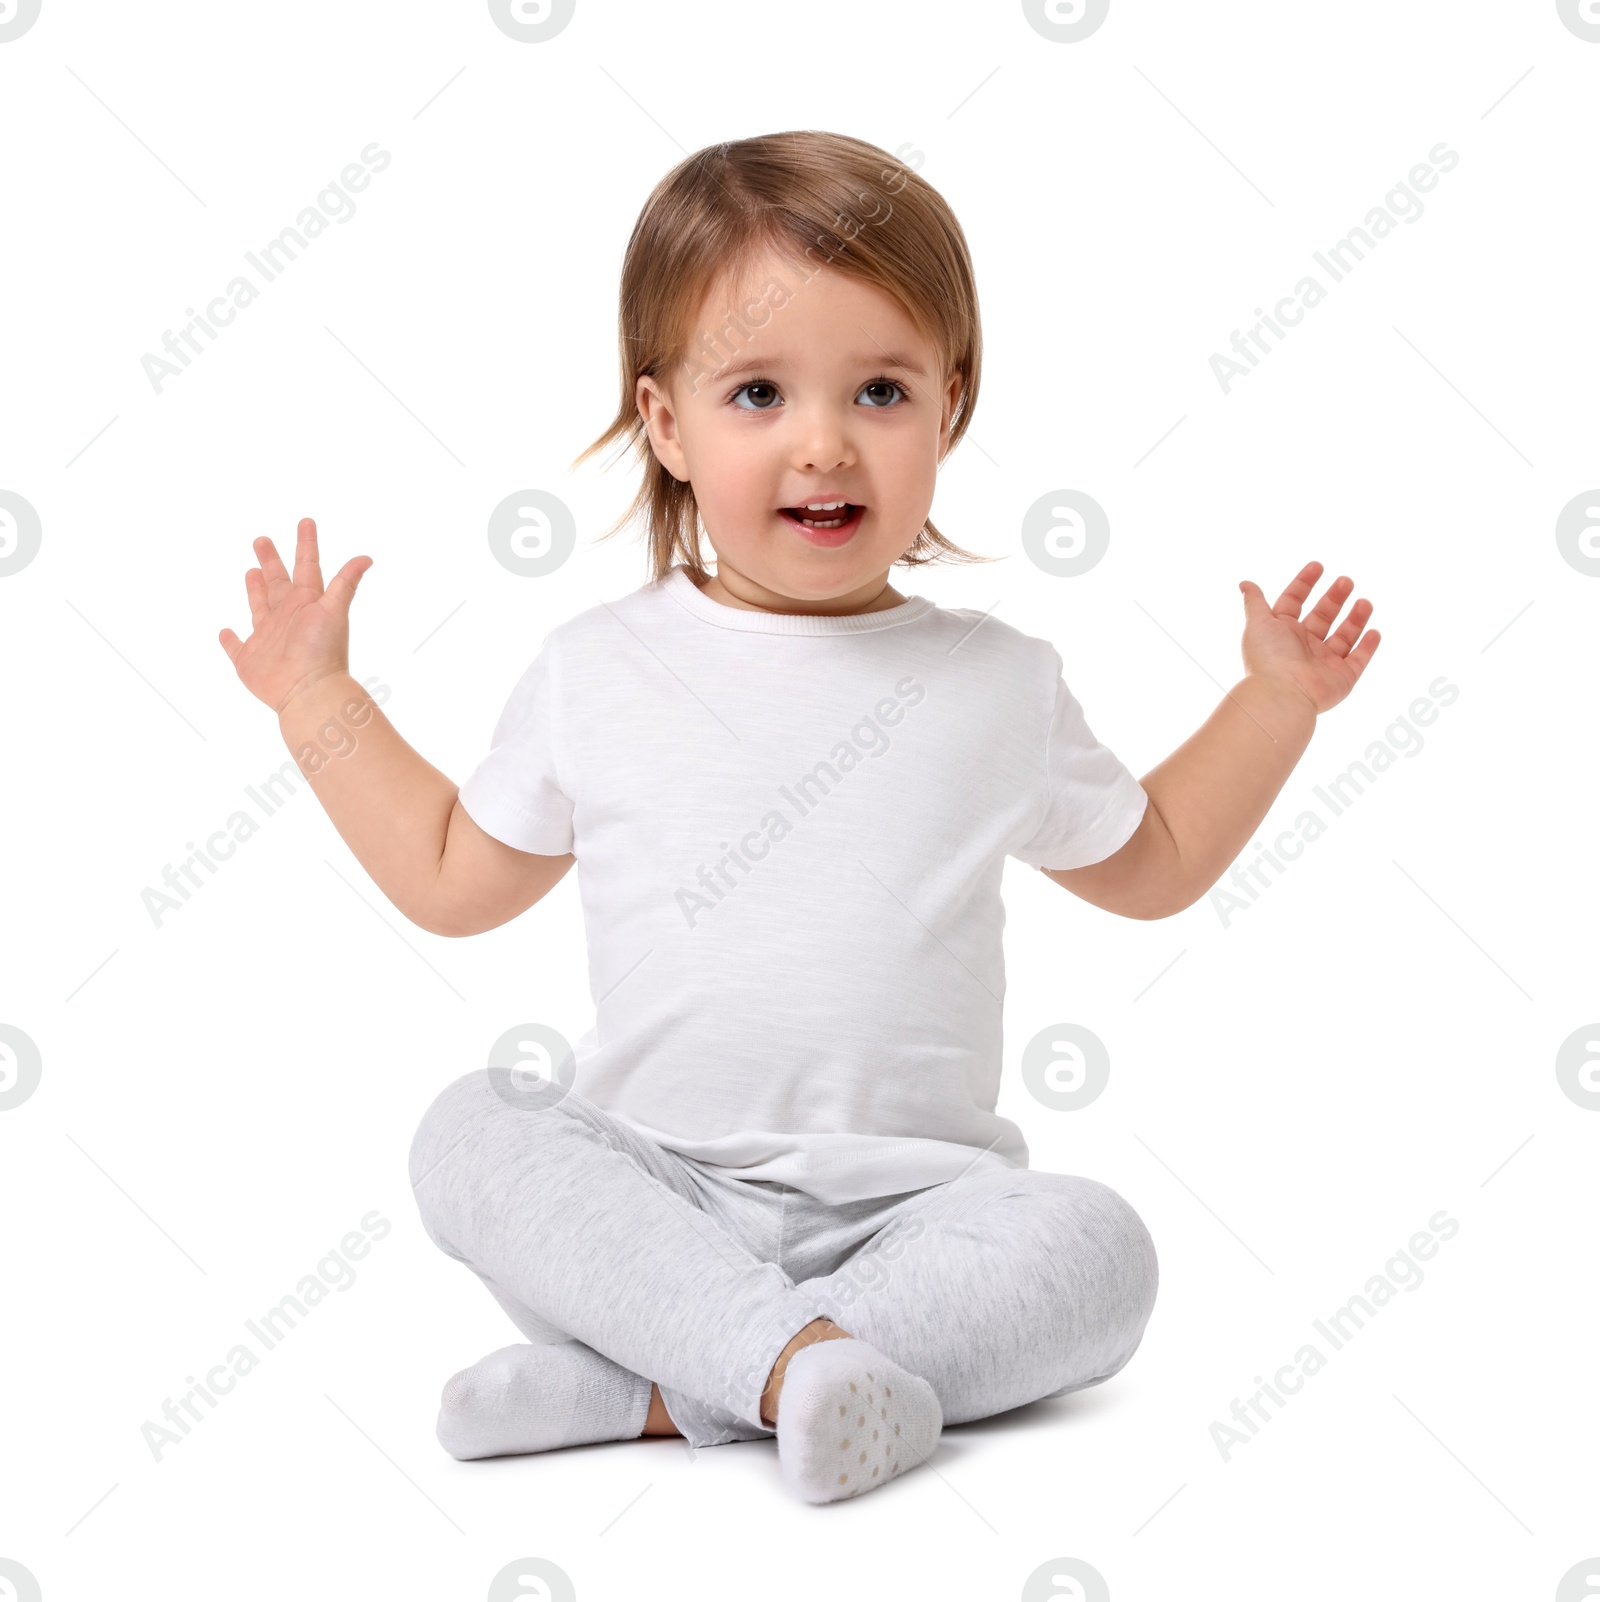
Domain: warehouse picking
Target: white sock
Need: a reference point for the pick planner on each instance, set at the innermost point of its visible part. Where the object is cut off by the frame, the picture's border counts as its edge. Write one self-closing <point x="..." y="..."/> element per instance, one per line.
<point x="535" y="1398"/>
<point x="849" y="1420"/>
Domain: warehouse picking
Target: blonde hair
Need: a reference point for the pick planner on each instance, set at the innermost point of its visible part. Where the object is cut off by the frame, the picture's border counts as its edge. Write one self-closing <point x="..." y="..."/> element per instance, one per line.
<point x="814" y="197"/>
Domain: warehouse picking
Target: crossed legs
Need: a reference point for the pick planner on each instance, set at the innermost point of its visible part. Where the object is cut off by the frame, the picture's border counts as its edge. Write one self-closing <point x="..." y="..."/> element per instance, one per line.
<point x="998" y="1288"/>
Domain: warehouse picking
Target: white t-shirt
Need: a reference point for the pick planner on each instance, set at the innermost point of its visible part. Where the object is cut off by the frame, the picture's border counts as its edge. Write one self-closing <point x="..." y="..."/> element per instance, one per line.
<point x="789" y="834"/>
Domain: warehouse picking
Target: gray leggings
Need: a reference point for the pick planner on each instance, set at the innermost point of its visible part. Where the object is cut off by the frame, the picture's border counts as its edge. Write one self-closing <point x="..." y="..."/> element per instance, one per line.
<point x="998" y="1287"/>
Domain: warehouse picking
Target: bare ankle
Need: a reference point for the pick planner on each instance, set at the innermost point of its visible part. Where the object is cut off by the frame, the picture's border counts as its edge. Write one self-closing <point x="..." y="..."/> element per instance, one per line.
<point x="819" y="1329"/>
<point x="659" y="1421"/>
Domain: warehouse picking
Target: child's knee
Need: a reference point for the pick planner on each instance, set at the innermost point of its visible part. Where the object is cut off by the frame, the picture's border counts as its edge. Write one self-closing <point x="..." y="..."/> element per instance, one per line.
<point x="447" y="1152"/>
<point x="440" y="1124"/>
<point x="1106" y="1237"/>
<point x="1138" y="1248"/>
<point x="478" y="1147"/>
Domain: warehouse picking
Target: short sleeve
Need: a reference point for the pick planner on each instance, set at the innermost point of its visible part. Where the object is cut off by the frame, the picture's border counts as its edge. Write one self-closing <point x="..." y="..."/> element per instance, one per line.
<point x="516" y="792"/>
<point x="1092" y="802"/>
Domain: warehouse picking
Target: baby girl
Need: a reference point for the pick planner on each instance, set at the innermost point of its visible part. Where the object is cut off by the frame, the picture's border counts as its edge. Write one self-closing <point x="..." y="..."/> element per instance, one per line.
<point x="767" y="1193"/>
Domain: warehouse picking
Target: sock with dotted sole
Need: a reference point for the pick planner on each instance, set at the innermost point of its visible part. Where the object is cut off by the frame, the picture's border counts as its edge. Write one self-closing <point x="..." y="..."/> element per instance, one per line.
<point x="535" y="1398"/>
<point x="849" y="1420"/>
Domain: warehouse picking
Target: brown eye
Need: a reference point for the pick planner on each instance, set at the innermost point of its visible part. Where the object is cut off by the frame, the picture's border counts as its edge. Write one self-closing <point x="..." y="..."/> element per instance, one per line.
<point x="883" y="384"/>
<point x="759" y="389"/>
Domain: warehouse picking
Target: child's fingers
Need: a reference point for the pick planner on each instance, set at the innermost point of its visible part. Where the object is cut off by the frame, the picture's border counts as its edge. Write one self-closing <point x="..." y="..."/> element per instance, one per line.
<point x="231" y="643"/>
<point x="271" y="563"/>
<point x="341" y="591"/>
<point x="1362" y="654"/>
<point x="307" y="569"/>
<point x="1326" y="610"/>
<point x="1255" y="603"/>
<point x="1297" y="589"/>
<point x="255" y="589"/>
<point x="1344" y="636"/>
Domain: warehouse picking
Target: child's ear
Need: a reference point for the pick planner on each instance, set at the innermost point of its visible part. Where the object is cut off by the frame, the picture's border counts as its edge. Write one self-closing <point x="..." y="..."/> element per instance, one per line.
<point x="661" y="426"/>
<point x="952" y="393"/>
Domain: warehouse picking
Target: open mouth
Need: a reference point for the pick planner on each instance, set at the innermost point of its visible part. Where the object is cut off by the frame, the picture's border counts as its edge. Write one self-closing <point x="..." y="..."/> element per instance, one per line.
<point x="834" y="519"/>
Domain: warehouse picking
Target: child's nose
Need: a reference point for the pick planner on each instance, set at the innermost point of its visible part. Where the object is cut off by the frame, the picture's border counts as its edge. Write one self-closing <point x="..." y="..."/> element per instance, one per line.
<point x="822" y="439"/>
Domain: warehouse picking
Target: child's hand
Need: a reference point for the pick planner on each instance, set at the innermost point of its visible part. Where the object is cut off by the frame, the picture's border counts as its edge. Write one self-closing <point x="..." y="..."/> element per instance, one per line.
<point x="1279" y="644"/>
<point x="299" y="632"/>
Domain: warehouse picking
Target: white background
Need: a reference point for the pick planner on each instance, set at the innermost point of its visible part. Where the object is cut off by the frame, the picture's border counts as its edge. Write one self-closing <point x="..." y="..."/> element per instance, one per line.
<point x="1293" y="1093"/>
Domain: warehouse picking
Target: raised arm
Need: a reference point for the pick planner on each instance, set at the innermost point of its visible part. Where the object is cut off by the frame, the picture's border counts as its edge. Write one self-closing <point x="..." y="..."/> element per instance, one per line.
<point x="1209" y="796"/>
<point x="398" y="813"/>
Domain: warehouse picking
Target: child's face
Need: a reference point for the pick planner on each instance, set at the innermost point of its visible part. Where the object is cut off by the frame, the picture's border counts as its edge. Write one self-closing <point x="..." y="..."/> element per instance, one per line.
<point x="834" y="396"/>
